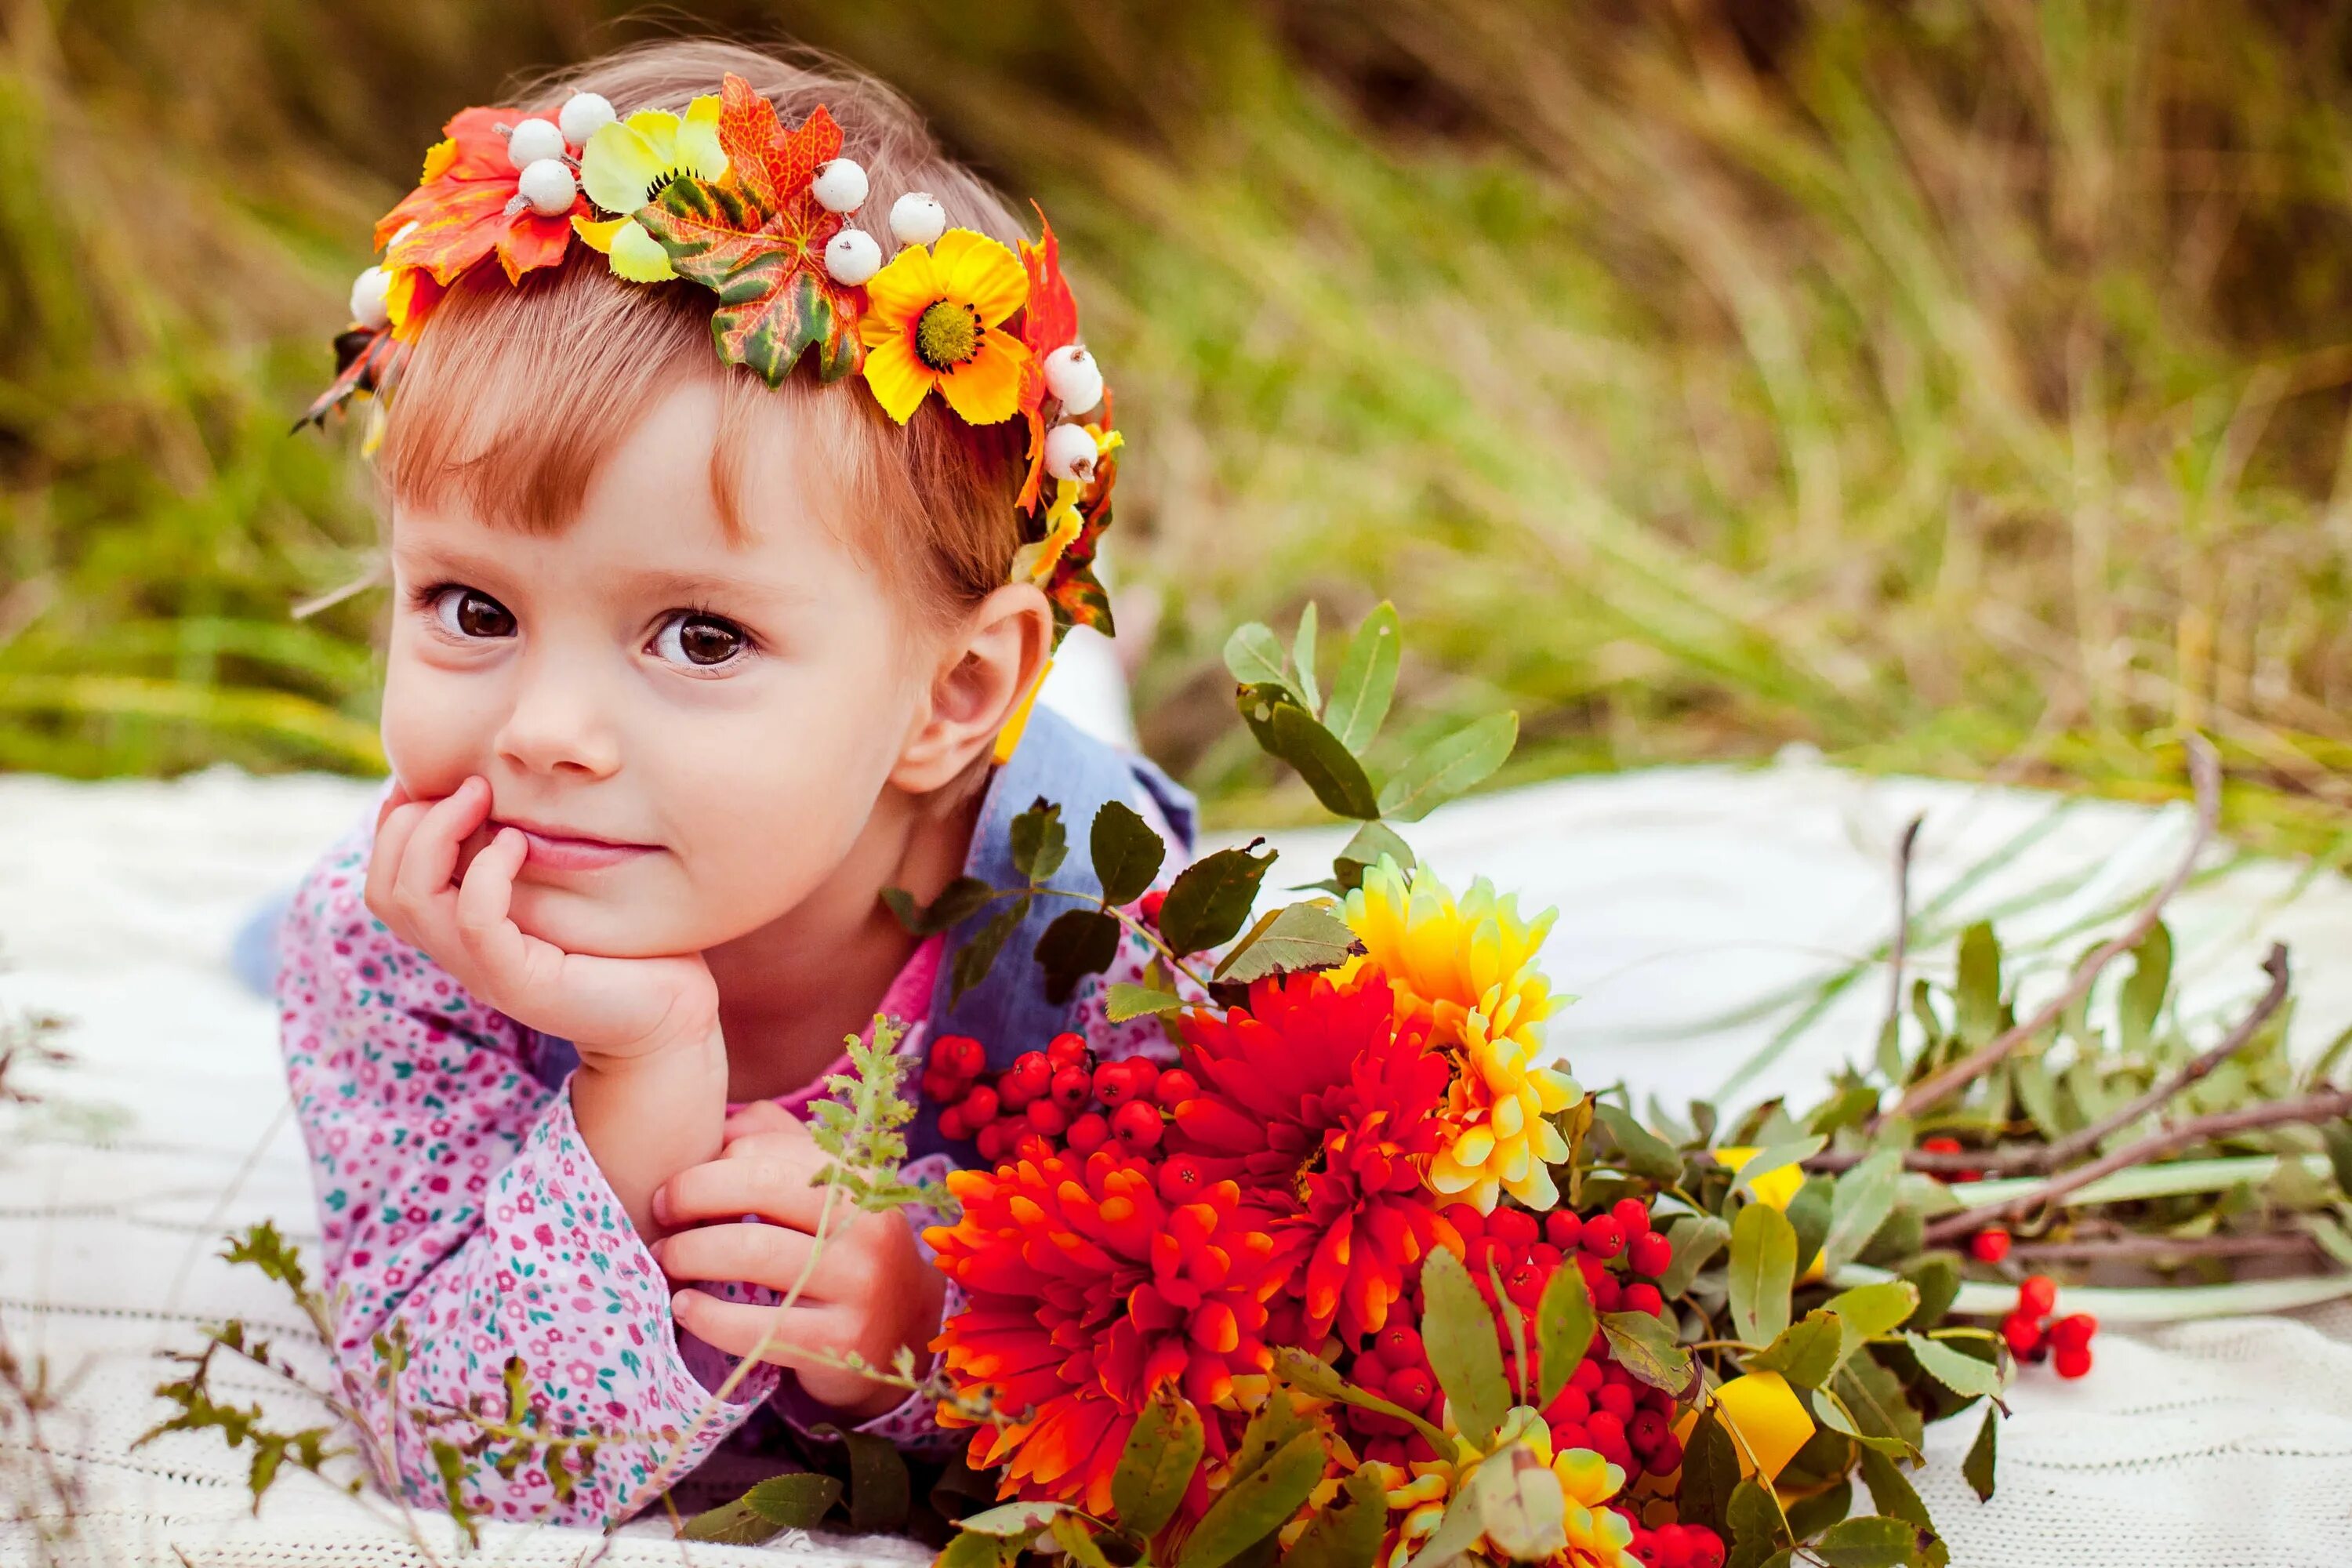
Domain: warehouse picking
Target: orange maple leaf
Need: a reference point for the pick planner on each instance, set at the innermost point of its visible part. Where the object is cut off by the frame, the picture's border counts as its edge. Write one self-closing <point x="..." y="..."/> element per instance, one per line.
<point x="459" y="212"/>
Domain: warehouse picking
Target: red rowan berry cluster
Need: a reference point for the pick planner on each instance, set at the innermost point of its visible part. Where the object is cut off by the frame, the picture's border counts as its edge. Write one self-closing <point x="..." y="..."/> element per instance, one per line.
<point x="2033" y="1335"/>
<point x="1063" y="1097"/>
<point x="1678" y="1546"/>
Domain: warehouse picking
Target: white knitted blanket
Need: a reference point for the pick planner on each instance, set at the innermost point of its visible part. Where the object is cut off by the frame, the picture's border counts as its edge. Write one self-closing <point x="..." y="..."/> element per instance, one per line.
<point x="1683" y="894"/>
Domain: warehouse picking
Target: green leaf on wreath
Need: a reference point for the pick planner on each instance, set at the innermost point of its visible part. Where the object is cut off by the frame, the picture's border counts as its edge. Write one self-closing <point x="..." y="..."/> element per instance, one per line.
<point x="1810" y="1515"/>
<point x="1127" y="1001"/>
<point x="1710" y="1474"/>
<point x="1210" y="899"/>
<point x="2141" y="999"/>
<point x="1078" y="942"/>
<point x="1290" y="733"/>
<point x="1346" y="1531"/>
<point x="1127" y="853"/>
<point x="1956" y="1370"/>
<point x="1755" y="1520"/>
<point x="1302" y="659"/>
<point x="1362" y="852"/>
<point x="797" y="1502"/>
<point x="1866" y="1312"/>
<point x="1256" y="657"/>
<point x="1565" y="1323"/>
<point x="1892" y="1494"/>
<point x="1008" y="1520"/>
<point x="1873" y="1541"/>
<point x="1461" y="761"/>
<point x="977" y="956"/>
<point x="1256" y="1505"/>
<point x="1859" y="1204"/>
<point x="1645" y="1346"/>
<point x="1763" y="1270"/>
<point x="1076" y="1537"/>
<point x="1458" y="1332"/>
<point x="1695" y="1238"/>
<point x="880" y="1491"/>
<point x="1367" y="678"/>
<point x="1806" y="1352"/>
<point x="956" y="902"/>
<point x="1876" y="1402"/>
<point x="1161" y="1453"/>
<point x="1295" y="937"/>
<point x="1977" y="1469"/>
<point x="1039" y="841"/>
<point x="1643" y="1151"/>
<point x="1977" y="988"/>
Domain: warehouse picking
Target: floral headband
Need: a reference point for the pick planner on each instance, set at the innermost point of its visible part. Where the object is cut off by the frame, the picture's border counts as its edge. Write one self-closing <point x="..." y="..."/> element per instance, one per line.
<point x="724" y="196"/>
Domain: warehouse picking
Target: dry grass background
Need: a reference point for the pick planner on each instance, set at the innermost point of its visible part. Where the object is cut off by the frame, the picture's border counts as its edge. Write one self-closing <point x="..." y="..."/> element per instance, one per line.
<point x="1959" y="387"/>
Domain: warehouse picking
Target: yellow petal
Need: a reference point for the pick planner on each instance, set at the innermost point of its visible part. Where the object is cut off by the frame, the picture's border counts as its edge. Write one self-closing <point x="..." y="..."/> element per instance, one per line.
<point x="1770" y="1422"/>
<point x="698" y="152"/>
<point x="986" y="389"/>
<point x="904" y="290"/>
<point x="619" y="165"/>
<point x="598" y="232"/>
<point x="1775" y="1188"/>
<point x="437" y="159"/>
<point x="1473" y="1147"/>
<point x="982" y="273"/>
<point x="638" y="256"/>
<point x="898" y="379"/>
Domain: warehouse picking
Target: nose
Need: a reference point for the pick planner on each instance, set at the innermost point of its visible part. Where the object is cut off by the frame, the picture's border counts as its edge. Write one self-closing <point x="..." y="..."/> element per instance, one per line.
<point x="559" y="723"/>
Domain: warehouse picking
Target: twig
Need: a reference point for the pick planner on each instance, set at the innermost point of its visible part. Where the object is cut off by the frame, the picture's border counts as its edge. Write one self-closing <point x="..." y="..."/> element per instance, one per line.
<point x="2125" y="1249"/>
<point x="2199" y="1129"/>
<point x="1901" y="948"/>
<point x="2205" y="776"/>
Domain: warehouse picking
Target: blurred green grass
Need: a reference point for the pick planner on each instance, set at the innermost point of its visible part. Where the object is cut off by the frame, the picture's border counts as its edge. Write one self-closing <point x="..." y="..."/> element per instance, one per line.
<point x="1959" y="388"/>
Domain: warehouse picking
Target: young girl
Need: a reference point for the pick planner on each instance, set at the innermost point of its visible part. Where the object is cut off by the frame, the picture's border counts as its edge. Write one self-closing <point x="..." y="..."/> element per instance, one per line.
<point x="697" y="649"/>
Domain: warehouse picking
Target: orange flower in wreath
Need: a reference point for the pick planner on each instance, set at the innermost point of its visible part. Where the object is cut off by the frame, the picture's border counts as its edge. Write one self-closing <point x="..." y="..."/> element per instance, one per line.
<point x="465" y="207"/>
<point x="1087" y="1294"/>
<point x="934" y="317"/>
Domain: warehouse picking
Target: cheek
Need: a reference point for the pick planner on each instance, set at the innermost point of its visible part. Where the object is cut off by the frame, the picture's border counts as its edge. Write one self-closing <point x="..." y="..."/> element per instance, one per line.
<point x="437" y="725"/>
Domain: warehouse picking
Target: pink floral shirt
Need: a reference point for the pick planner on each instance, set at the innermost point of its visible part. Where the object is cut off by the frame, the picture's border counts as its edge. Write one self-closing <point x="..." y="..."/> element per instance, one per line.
<point x="459" y="1204"/>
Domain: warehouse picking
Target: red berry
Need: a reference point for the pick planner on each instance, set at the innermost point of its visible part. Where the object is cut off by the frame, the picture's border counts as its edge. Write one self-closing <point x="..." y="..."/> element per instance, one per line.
<point x="1112" y="1086"/>
<point x="995" y="1141"/>
<point x="1181" y="1180"/>
<point x="1137" y="1125"/>
<point x="2023" y="1334"/>
<point x="1047" y="1117"/>
<point x="941" y="1085"/>
<point x="1411" y="1387"/>
<point x="2074" y="1361"/>
<point x="1072" y="1087"/>
<point x="1545" y="1255"/>
<point x="1668" y="1457"/>
<point x="1706" y="1547"/>
<point x="1939" y="1145"/>
<point x="1088" y="1133"/>
<point x="1604" y="1237"/>
<point x="1524" y="1285"/>
<point x="1515" y="1228"/>
<point x="2074" y="1331"/>
<point x="1466" y="1221"/>
<point x="1645" y="1430"/>
<point x="1650" y="1253"/>
<point x="1571" y="1403"/>
<point x="1645" y="1297"/>
<point x="1605" y="1428"/>
<point x="1400" y="1344"/>
<point x="1990" y="1244"/>
<point x="1609" y="1296"/>
<point x="1587" y="1377"/>
<point x="2037" y="1295"/>
<point x="1066" y="1050"/>
<point x="1612" y="1376"/>
<point x="960" y="1055"/>
<point x="1567" y="1434"/>
<point x="979" y="1107"/>
<point x="1631" y="1214"/>
<point x="1149" y="906"/>
<point x="1034" y="1067"/>
<point x="1617" y="1399"/>
<point x="952" y="1126"/>
<point x="1175" y="1088"/>
<point x="1561" y="1227"/>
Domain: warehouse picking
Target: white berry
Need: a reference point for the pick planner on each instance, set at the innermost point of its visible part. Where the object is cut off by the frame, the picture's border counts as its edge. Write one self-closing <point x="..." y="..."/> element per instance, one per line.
<point x="1070" y="453"/>
<point x="1074" y="378"/>
<point x="532" y="140"/>
<point x="851" y="256"/>
<point x="839" y="186"/>
<point x="584" y="114"/>
<point x="368" y="290"/>
<point x="547" y="186"/>
<point x="916" y="218"/>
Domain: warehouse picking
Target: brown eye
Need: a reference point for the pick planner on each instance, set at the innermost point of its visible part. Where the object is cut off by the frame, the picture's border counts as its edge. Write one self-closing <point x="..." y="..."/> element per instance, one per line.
<point x="700" y="640"/>
<point x="469" y="613"/>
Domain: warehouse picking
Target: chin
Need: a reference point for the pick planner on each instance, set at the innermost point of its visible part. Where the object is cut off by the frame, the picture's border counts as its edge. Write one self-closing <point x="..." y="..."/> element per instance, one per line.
<point x="600" y="924"/>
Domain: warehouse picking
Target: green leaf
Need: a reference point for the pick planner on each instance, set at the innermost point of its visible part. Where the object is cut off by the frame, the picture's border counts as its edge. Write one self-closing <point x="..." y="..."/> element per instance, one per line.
<point x="2339" y="1138"/>
<point x="1126" y="852"/>
<point x="1008" y="1520"/>
<point x="970" y="1549"/>
<point x="1346" y="1531"/>
<point x="1458" y="762"/>
<point x="1313" y="1377"/>
<point x="1457" y="1528"/>
<point x="1564" y="1324"/>
<point x="1892" y="1494"/>
<point x="2039" y="1096"/>
<point x="1776" y="1157"/>
<point x="956" y="902"/>
<point x="1873" y="1541"/>
<point x="1644" y="1346"/>
<point x="1077" y="943"/>
<point x="1977" y="1469"/>
<point x="1960" y="1373"/>
<point x="1875" y="1397"/>
<point x="1810" y="1516"/>
<point x="1521" y="1505"/>
<point x="1367" y="678"/>
<point x="1256" y="657"/>
<point x="1710" y="1474"/>
<point x="1302" y="660"/>
<point x="1076" y="1537"/>
<point x="977" y="956"/>
<point x="1867" y="1311"/>
<point x="1459" y="1333"/>
<point x="1695" y="1238"/>
<point x="1363" y="851"/>
<point x="1645" y="1153"/>
<point x="1299" y="936"/>
<point x="1763" y="1270"/>
<point x="796" y="1502"/>
<point x="1754" y="1516"/>
<point x="1806" y="1352"/>
<point x="1864" y="1196"/>
<point x="1977" y="991"/>
<point x="2142" y="995"/>
<point x="1255" y="1505"/>
<point x="1838" y="1416"/>
<point x="1285" y="731"/>
<point x="1125" y="1002"/>
<point x="1038" y="840"/>
<point x="1809" y="1216"/>
<point x="880" y="1491"/>
<point x="1157" y="1465"/>
<point x="1211" y="898"/>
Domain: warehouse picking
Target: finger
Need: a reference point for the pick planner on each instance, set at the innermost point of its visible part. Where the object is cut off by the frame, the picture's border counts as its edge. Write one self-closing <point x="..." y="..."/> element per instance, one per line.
<point x="431" y="854"/>
<point x="384" y="856"/>
<point x="486" y="894"/>
<point x="759" y="1116"/>
<point x="765" y="1176"/>
<point x="395" y="798"/>
<point x="788" y="1336"/>
<point x="783" y="1260"/>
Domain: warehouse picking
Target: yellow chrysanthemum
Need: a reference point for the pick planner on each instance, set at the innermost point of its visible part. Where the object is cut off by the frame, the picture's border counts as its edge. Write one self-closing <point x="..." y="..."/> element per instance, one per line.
<point x="624" y="168"/>
<point x="1595" y="1537"/>
<point x="1468" y="968"/>
<point x="933" y="320"/>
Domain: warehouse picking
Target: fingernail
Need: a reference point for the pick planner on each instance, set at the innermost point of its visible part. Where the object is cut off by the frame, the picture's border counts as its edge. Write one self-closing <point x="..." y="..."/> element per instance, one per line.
<point x="661" y="1206"/>
<point x="677" y="1303"/>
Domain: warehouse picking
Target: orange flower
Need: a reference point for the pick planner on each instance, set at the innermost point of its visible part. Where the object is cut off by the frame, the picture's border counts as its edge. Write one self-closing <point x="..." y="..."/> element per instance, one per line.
<point x="459" y="213"/>
<point x="1087" y="1294"/>
<point x="1316" y="1100"/>
<point x="934" y="319"/>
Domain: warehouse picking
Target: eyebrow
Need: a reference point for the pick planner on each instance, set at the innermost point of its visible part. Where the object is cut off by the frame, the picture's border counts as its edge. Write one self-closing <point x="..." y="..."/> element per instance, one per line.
<point x="659" y="583"/>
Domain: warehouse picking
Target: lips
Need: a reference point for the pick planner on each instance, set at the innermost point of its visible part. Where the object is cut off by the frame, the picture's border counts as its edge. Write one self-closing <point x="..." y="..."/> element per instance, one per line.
<point x="553" y="850"/>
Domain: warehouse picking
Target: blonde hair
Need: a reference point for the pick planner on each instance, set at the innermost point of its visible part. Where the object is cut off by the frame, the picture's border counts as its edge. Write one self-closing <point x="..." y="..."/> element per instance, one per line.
<point x="514" y="393"/>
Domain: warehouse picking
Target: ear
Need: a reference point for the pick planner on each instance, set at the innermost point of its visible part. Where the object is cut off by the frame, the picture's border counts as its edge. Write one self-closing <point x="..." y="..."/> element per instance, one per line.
<point x="982" y="675"/>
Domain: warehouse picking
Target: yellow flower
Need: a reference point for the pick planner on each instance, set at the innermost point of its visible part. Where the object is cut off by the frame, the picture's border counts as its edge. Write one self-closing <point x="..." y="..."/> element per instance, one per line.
<point x="1596" y="1537"/>
<point x="933" y="318"/>
<point x="624" y="168"/>
<point x="1036" y="561"/>
<point x="1467" y="969"/>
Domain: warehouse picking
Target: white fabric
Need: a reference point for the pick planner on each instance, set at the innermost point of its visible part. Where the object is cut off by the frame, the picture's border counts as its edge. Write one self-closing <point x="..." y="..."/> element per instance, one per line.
<point x="1683" y="894"/>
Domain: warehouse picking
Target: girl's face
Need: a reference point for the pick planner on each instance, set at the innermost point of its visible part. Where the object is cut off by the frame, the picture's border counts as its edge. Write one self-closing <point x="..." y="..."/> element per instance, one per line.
<point x="693" y="733"/>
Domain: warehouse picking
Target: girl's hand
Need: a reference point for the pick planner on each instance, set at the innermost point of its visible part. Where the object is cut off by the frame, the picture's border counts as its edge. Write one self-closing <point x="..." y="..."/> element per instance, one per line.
<point x="614" y="1010"/>
<point x="864" y="1289"/>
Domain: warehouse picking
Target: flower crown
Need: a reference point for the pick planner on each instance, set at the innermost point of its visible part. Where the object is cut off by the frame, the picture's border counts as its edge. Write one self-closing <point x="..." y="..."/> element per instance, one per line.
<point x="724" y="196"/>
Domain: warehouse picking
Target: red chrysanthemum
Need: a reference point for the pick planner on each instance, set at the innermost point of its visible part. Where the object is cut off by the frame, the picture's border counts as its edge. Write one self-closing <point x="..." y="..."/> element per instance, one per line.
<point x="1088" y="1294"/>
<point x="1325" y="1111"/>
